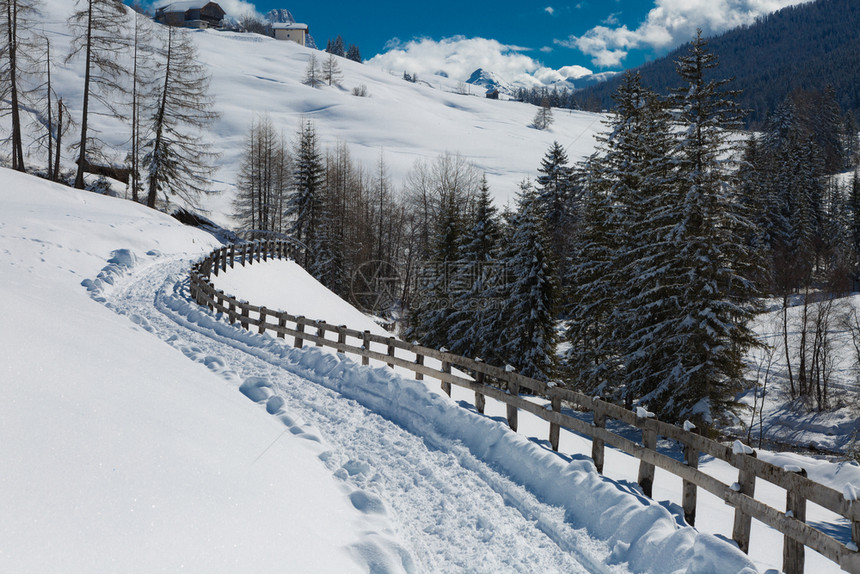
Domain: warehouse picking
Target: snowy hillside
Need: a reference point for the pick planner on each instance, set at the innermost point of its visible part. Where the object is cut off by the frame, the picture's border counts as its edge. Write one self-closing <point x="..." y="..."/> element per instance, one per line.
<point x="253" y="74"/>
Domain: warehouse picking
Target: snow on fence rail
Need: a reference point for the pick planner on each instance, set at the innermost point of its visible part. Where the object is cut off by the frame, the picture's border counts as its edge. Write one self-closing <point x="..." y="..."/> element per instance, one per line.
<point x="799" y="488"/>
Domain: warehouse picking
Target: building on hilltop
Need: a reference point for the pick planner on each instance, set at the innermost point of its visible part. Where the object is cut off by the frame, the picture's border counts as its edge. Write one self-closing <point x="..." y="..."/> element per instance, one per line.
<point x="298" y="33"/>
<point x="191" y="14"/>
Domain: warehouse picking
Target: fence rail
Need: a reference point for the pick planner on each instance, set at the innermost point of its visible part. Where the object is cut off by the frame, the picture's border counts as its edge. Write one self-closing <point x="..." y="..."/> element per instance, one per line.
<point x="505" y="386"/>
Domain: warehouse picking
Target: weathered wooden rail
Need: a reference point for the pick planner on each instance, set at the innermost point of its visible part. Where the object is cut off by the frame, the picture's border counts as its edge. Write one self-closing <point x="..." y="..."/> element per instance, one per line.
<point x="489" y="381"/>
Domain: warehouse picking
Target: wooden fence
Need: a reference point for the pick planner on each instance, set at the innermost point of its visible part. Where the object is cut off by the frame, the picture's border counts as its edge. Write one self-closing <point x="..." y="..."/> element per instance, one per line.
<point x="505" y="386"/>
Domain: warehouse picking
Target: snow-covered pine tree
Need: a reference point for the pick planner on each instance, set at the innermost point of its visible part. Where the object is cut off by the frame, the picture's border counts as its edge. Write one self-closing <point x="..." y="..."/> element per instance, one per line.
<point x="178" y="159"/>
<point x="621" y="179"/>
<point x="557" y="199"/>
<point x="710" y="332"/>
<point x="430" y="319"/>
<point x="525" y="324"/>
<point x="478" y="270"/>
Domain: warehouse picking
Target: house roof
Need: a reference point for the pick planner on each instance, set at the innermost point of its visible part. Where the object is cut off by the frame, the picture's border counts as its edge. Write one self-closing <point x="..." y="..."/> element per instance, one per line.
<point x="185" y="6"/>
<point x="289" y="26"/>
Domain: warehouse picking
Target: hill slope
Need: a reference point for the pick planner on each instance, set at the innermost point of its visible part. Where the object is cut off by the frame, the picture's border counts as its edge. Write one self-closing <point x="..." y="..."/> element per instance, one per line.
<point x="807" y="46"/>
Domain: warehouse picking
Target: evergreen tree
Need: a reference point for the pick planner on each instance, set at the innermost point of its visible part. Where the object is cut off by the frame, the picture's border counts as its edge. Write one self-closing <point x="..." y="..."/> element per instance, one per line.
<point x="525" y="324"/>
<point x="478" y="271"/>
<point x="305" y="201"/>
<point x="353" y="53"/>
<point x="717" y="300"/>
<point x="179" y="161"/>
<point x="557" y="202"/>
<point x="616" y="274"/>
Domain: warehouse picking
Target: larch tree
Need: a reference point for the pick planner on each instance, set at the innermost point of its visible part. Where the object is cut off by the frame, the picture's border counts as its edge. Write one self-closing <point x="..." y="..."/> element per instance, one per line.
<point x="178" y="159"/>
<point x="15" y="20"/>
<point x="100" y="36"/>
<point x="142" y="91"/>
<point x="264" y="178"/>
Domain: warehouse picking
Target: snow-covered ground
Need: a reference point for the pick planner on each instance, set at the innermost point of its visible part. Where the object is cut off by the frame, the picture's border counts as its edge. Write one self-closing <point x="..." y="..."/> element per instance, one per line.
<point x="143" y="433"/>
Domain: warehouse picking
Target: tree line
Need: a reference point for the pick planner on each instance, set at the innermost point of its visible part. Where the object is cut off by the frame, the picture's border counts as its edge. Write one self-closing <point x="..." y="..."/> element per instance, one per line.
<point x="145" y="78"/>
<point x="646" y="262"/>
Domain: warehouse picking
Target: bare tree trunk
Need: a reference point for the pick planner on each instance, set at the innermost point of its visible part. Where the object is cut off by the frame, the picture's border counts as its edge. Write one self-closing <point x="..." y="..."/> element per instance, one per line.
<point x="82" y="150"/>
<point x="12" y="49"/>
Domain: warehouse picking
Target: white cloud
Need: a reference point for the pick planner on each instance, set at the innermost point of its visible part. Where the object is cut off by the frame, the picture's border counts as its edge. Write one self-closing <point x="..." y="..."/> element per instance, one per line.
<point x="549" y="10"/>
<point x="458" y="57"/>
<point x="669" y="24"/>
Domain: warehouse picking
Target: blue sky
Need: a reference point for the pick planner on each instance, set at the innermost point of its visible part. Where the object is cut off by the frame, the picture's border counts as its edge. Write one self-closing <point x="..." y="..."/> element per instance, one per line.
<point x="535" y="37"/>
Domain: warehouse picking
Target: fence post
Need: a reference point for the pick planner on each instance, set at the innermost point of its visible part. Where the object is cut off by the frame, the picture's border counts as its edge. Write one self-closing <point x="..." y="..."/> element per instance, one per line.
<point x="554" y="428"/>
<point x="793" y="552"/>
<point x="266" y="250"/>
<point x="365" y="360"/>
<point x="300" y="327"/>
<point x="224" y="252"/>
<point x="391" y="350"/>
<point x="745" y="485"/>
<point x="263" y="313"/>
<point x="282" y="324"/>
<point x="446" y="386"/>
<point x="514" y="389"/>
<point x="597" y="444"/>
<point x="688" y="499"/>
<point x="210" y="295"/>
<point x="244" y="253"/>
<point x="320" y="333"/>
<point x="480" y="400"/>
<point x="646" y="469"/>
<point x="231" y="314"/>
<point x="232" y="255"/>
<point x="341" y="339"/>
<point x="216" y="262"/>
<point x="419" y="360"/>
<point x="245" y="324"/>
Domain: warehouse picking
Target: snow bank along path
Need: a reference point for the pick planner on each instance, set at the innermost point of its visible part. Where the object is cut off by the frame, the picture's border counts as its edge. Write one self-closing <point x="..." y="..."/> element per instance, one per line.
<point x="738" y="495"/>
<point x="638" y="534"/>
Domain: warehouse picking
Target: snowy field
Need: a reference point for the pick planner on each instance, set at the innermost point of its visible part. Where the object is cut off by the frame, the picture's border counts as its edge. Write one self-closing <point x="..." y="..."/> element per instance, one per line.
<point x="405" y="122"/>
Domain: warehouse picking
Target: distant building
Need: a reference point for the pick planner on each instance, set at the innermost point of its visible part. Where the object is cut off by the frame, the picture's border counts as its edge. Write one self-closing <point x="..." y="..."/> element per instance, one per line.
<point x="493" y="94"/>
<point x="191" y="14"/>
<point x="298" y="33"/>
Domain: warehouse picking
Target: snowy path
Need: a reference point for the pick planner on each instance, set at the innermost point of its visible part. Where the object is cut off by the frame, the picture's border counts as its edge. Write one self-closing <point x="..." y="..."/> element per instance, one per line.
<point x="450" y="509"/>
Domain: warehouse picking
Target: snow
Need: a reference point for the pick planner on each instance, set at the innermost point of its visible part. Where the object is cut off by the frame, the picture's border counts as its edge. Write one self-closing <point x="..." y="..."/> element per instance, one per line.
<point x="740" y="448"/>
<point x="119" y="453"/>
<point x="850" y="492"/>
<point x="141" y="433"/>
<point x="643" y="413"/>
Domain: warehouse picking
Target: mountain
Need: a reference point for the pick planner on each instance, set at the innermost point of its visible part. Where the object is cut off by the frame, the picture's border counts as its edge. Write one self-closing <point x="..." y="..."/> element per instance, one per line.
<point x="570" y="78"/>
<point x="808" y="46"/>
<point x="279" y="16"/>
